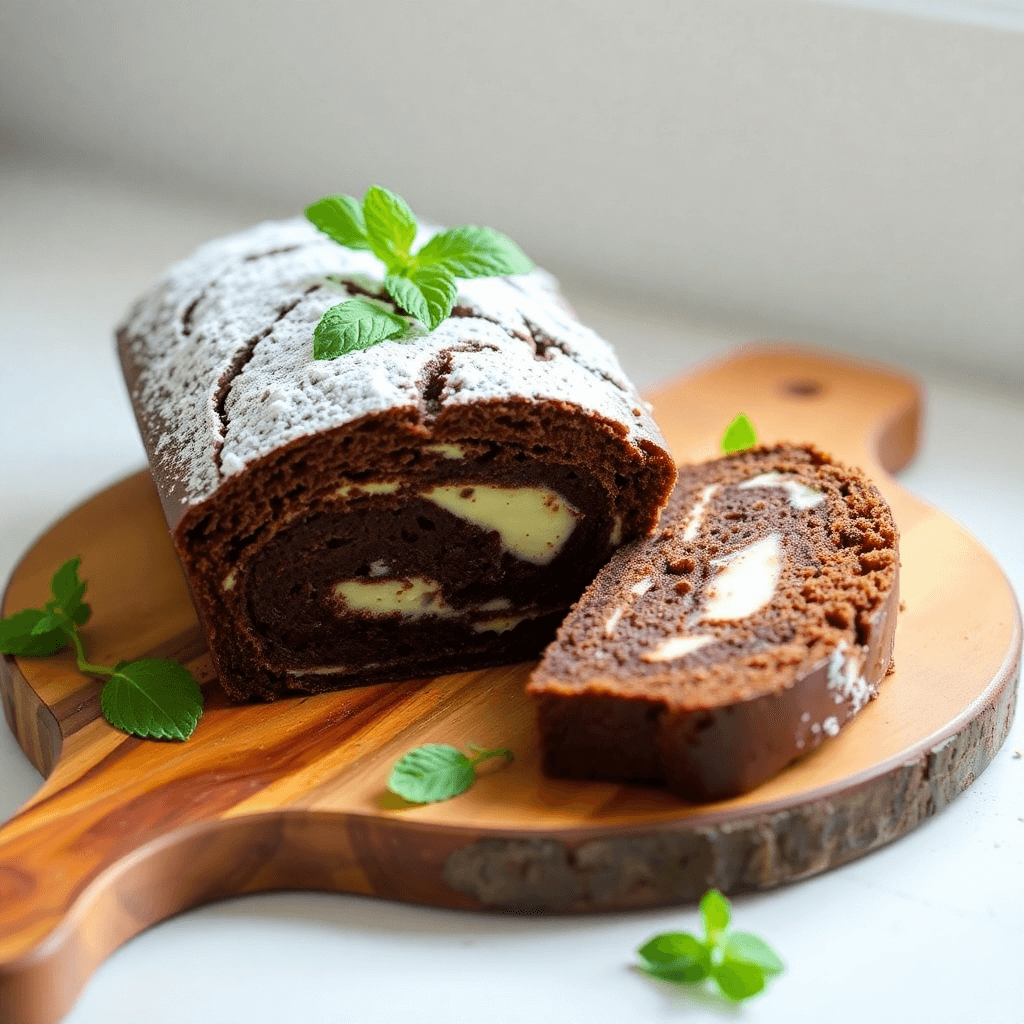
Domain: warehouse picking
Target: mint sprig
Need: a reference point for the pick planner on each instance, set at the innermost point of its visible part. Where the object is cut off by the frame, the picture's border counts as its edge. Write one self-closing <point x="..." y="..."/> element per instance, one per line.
<point x="151" y="698"/>
<point x="739" y="963"/>
<point x="436" y="771"/>
<point x="422" y="285"/>
<point x="740" y="434"/>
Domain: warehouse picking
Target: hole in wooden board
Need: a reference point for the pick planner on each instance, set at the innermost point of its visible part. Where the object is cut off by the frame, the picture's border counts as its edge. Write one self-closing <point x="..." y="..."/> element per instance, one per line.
<point x="803" y="388"/>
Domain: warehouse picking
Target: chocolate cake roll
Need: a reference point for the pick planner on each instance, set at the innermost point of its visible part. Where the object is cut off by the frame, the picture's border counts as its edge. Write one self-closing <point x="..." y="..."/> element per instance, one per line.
<point x="750" y="629"/>
<point x="430" y="504"/>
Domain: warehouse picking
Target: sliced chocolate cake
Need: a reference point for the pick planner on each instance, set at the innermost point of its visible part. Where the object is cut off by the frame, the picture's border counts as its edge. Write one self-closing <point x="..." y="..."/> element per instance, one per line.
<point x="753" y="626"/>
<point x="429" y="504"/>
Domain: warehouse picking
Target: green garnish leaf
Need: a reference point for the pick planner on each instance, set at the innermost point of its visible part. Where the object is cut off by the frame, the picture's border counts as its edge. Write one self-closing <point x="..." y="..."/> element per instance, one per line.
<point x="424" y="284"/>
<point x="738" y="980"/>
<point x="739" y="962"/>
<point x="714" y="908"/>
<point x="471" y="251"/>
<point x="50" y="622"/>
<point x="428" y="293"/>
<point x="67" y="590"/>
<point x="671" y="947"/>
<point x="738" y="435"/>
<point x="354" y="325"/>
<point x="680" y="974"/>
<point x="677" y="957"/>
<point x="152" y="698"/>
<point x="340" y="218"/>
<point x="436" y="771"/>
<point x="745" y="947"/>
<point x="18" y="635"/>
<point x="390" y="225"/>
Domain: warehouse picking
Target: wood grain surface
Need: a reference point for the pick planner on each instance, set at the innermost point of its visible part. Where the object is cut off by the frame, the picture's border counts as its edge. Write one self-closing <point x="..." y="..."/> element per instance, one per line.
<point x="125" y="832"/>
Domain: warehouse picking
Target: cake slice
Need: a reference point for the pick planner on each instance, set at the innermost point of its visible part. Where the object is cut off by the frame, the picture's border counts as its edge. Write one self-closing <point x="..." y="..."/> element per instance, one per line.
<point x="748" y="630"/>
<point x="429" y="504"/>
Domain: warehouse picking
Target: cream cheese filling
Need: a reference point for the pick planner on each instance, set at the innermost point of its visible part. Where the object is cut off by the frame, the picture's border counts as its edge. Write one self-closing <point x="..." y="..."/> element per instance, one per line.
<point x="449" y="451"/>
<point x="800" y="495"/>
<point x="411" y="596"/>
<point x="533" y="522"/>
<point x="747" y="580"/>
<point x="697" y="513"/>
<point x="371" y="487"/>
<point x="676" y="647"/>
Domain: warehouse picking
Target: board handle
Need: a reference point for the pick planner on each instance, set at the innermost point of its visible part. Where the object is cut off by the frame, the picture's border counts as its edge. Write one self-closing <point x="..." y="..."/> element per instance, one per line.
<point x="76" y="886"/>
<point x="864" y="414"/>
<point x="67" y="880"/>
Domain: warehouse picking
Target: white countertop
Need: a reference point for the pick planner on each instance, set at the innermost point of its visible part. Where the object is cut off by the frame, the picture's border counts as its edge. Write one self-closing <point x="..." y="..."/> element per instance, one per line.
<point x="927" y="929"/>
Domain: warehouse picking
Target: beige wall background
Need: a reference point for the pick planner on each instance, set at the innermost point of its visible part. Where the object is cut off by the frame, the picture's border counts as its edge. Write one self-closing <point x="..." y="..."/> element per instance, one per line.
<point x="842" y="173"/>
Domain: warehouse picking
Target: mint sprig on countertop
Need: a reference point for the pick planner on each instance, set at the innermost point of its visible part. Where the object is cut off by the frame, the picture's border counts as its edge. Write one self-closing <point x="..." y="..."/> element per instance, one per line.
<point x="423" y="284"/>
<point x="151" y="698"/>
<point x="738" y="435"/>
<point x="739" y="963"/>
<point x="437" y="771"/>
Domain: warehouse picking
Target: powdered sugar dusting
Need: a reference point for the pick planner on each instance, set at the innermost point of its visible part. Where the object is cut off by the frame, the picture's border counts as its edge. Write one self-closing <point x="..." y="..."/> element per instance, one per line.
<point x="222" y="349"/>
<point x="845" y="682"/>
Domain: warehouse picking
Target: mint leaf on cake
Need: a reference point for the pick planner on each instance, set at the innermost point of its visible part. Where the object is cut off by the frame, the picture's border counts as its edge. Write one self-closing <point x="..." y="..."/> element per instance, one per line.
<point x="390" y="225"/>
<point x="428" y="293"/>
<point x="340" y="218"/>
<point x="422" y="285"/>
<point x="354" y="325"/>
<point x="470" y="251"/>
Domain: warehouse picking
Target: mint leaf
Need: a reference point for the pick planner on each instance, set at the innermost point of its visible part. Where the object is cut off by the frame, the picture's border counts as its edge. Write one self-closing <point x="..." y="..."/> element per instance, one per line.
<point x="67" y="590"/>
<point x="152" y="698"/>
<point x="679" y="974"/>
<point x="18" y="636"/>
<point x="430" y="773"/>
<point x="745" y="947"/>
<point x="436" y="771"/>
<point x="738" y="980"/>
<point x="471" y="251"/>
<point x="428" y="293"/>
<point x="677" y="957"/>
<point x="714" y="908"/>
<point x="340" y="218"/>
<point x="390" y="225"/>
<point x="354" y="325"/>
<point x="51" y="620"/>
<point x="738" y="435"/>
<point x="671" y="947"/>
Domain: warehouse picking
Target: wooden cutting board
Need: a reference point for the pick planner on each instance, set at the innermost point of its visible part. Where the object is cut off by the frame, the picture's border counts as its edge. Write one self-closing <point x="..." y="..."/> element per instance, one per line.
<point x="125" y="832"/>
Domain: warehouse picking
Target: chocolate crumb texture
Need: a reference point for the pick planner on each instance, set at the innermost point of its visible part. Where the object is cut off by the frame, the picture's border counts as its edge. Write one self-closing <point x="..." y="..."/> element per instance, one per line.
<point x="746" y="633"/>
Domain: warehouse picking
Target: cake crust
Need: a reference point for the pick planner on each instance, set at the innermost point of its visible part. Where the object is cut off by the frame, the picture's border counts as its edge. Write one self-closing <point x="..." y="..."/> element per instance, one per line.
<point x="752" y="627"/>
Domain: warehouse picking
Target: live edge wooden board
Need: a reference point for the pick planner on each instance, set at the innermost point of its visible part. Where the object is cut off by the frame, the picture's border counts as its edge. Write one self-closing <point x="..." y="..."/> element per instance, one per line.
<point x="125" y="832"/>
